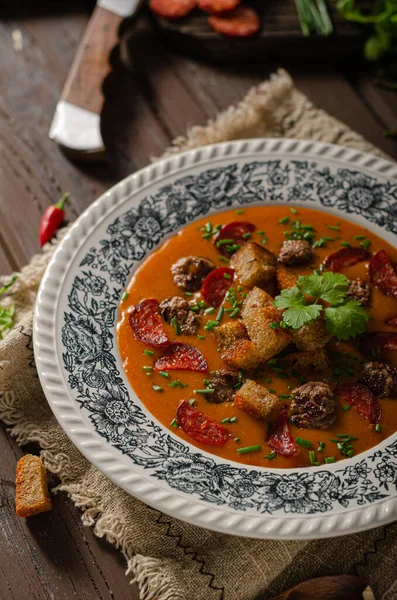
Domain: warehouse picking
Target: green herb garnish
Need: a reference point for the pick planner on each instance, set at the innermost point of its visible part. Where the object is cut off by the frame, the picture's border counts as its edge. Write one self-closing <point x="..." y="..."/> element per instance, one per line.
<point x="248" y="449"/>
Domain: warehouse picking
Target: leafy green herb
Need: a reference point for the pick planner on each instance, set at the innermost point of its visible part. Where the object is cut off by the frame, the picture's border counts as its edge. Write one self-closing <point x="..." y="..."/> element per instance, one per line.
<point x="330" y="287"/>
<point x="346" y="320"/>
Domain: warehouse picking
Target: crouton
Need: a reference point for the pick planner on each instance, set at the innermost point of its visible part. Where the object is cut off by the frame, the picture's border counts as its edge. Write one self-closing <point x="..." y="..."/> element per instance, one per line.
<point x="242" y="355"/>
<point x="311" y="336"/>
<point x="229" y="333"/>
<point x="286" y="278"/>
<point x="31" y="487"/>
<point x="254" y="265"/>
<point x="256" y="298"/>
<point x="317" y="360"/>
<point x="255" y="399"/>
<point x="268" y="341"/>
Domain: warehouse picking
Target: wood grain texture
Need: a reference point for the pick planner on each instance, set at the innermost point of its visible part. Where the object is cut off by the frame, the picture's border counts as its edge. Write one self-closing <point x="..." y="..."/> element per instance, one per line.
<point x="156" y="99"/>
<point x="83" y="86"/>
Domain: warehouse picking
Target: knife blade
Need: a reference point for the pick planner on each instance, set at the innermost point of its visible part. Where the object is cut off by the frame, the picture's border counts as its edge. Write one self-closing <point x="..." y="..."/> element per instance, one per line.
<point x="76" y="122"/>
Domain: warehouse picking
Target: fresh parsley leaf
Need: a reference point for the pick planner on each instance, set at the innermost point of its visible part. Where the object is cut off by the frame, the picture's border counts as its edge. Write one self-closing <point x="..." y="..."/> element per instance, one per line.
<point x="346" y="320"/>
<point x="297" y="316"/>
<point x="330" y="287"/>
<point x="288" y="298"/>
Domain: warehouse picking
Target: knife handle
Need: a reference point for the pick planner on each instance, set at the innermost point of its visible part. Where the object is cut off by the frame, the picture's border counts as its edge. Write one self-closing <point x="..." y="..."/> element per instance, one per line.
<point x="83" y="86"/>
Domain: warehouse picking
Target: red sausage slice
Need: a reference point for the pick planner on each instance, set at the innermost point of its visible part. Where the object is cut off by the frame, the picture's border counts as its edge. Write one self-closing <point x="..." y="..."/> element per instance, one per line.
<point x="362" y="399"/>
<point x="241" y="22"/>
<point x="383" y="274"/>
<point x="346" y="257"/>
<point x="216" y="285"/>
<point x="181" y="357"/>
<point x="392" y="322"/>
<point x="373" y="344"/>
<point x="234" y="232"/>
<point x="199" y="427"/>
<point x="280" y="439"/>
<point x="172" y="9"/>
<point x="217" y="6"/>
<point x="147" y="325"/>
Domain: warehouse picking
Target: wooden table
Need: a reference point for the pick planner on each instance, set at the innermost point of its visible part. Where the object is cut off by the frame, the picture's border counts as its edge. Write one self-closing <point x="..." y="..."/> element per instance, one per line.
<point x="54" y="556"/>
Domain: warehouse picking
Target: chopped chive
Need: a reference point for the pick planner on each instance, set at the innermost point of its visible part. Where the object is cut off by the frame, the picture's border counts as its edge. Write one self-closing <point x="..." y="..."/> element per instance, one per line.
<point x="261" y="232"/>
<point x="223" y="242"/>
<point x="209" y="311"/>
<point x="148" y="352"/>
<point x="209" y="326"/>
<point x="234" y="420"/>
<point x="188" y="294"/>
<point x="284" y="220"/>
<point x="164" y="374"/>
<point x="316" y="464"/>
<point x="206" y="236"/>
<point x="125" y="296"/>
<point x="247" y="235"/>
<point x="269" y="380"/>
<point x="350" y="453"/>
<point x="147" y="368"/>
<point x="194" y="308"/>
<point x="241" y="211"/>
<point x="226" y="420"/>
<point x="174" y="423"/>
<point x="234" y="313"/>
<point x="157" y="388"/>
<point x="220" y="314"/>
<point x="329" y="459"/>
<point x="378" y="428"/>
<point x="224" y="259"/>
<point x="177" y="383"/>
<point x="236" y="439"/>
<point x="284" y="397"/>
<point x="270" y="456"/>
<point x="248" y="449"/>
<point x="334" y="227"/>
<point x="227" y="276"/>
<point x="302" y="442"/>
<point x="200" y="337"/>
<point x="294" y="211"/>
<point x="192" y="401"/>
<point x="204" y="392"/>
<point x="264" y="240"/>
<point x="365" y="244"/>
<point x="208" y="227"/>
<point x="282" y="375"/>
<point x="271" y="390"/>
<point x="321" y="447"/>
<point x="274" y="325"/>
<point x="239" y="288"/>
<point x="312" y="457"/>
<point x="175" y="325"/>
<point x="347" y="407"/>
<point x="359" y="237"/>
<point x="283" y="325"/>
<point x="201" y="304"/>
<point x="345" y="244"/>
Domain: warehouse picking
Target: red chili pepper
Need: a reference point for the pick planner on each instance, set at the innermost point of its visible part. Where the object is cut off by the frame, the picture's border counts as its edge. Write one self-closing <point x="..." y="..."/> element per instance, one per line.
<point x="51" y="220"/>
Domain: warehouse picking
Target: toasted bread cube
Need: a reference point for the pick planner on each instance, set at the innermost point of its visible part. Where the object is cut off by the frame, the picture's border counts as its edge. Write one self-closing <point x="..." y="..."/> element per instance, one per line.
<point x="256" y="298"/>
<point x="255" y="399"/>
<point x="317" y="360"/>
<point x="286" y="278"/>
<point x="229" y="333"/>
<point x="242" y="355"/>
<point x="268" y="341"/>
<point x="311" y="336"/>
<point x="254" y="265"/>
<point x="31" y="487"/>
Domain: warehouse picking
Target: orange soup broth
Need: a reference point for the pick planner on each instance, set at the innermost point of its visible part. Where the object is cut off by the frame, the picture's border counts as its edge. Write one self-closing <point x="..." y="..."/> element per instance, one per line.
<point x="153" y="279"/>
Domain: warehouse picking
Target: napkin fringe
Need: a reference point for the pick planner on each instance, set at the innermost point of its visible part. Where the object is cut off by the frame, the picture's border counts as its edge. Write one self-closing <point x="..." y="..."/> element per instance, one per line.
<point x="153" y="580"/>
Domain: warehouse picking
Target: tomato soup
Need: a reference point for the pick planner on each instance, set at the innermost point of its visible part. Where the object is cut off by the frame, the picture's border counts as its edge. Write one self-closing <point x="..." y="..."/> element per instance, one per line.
<point x="163" y="390"/>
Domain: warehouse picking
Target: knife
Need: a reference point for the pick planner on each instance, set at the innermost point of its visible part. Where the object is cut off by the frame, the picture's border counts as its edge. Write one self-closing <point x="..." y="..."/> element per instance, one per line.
<point x="76" y="123"/>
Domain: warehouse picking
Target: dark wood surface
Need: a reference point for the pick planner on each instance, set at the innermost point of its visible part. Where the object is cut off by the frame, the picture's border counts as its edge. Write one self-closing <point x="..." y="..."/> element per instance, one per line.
<point x="53" y="556"/>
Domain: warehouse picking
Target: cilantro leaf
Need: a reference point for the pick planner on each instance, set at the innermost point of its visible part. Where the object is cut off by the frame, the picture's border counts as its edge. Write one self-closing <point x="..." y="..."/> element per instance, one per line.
<point x="289" y="297"/>
<point x="346" y="320"/>
<point x="296" y="316"/>
<point x="330" y="287"/>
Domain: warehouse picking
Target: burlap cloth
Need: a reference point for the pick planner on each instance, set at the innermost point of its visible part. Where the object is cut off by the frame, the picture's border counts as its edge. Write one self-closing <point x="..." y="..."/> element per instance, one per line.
<point x="168" y="558"/>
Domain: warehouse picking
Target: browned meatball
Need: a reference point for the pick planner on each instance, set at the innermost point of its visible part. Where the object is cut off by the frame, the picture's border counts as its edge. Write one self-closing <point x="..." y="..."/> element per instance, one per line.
<point x="223" y="383"/>
<point x="189" y="272"/>
<point x="381" y="378"/>
<point x="177" y="307"/>
<point x="314" y="406"/>
<point x="295" y="253"/>
<point x="359" y="290"/>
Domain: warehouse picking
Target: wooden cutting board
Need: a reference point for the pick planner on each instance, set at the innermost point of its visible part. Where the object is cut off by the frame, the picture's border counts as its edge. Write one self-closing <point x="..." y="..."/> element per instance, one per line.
<point x="280" y="35"/>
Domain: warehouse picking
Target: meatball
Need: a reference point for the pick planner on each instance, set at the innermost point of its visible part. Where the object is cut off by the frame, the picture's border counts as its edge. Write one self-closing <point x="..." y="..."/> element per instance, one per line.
<point x="313" y="406"/>
<point x="380" y="378"/>
<point x="177" y="307"/>
<point x="189" y="272"/>
<point x="359" y="290"/>
<point x="223" y="383"/>
<point x="295" y="253"/>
